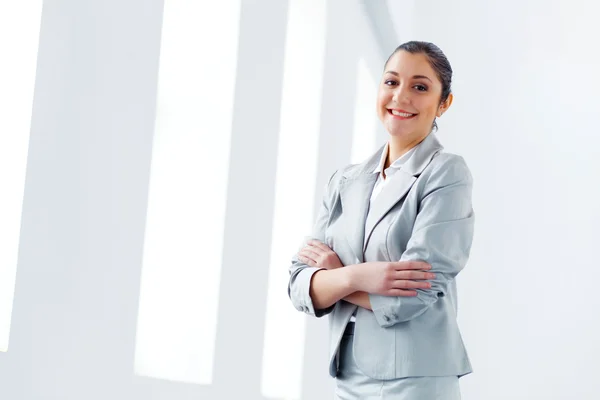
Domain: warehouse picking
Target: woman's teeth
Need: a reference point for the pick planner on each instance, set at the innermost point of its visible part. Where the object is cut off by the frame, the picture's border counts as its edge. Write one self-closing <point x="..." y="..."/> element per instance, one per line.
<point x="401" y="114"/>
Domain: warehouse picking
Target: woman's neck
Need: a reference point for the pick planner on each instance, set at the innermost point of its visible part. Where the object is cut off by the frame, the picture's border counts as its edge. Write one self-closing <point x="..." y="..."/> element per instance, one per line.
<point x="398" y="146"/>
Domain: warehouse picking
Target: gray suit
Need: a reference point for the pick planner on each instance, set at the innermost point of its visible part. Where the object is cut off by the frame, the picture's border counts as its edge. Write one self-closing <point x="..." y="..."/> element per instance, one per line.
<point x="423" y="213"/>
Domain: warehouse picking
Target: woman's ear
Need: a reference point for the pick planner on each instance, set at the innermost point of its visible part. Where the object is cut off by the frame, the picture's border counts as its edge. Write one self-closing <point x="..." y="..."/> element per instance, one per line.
<point x="445" y="105"/>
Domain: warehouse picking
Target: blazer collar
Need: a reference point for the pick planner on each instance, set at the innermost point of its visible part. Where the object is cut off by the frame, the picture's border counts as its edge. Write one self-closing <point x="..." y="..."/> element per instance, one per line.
<point x="357" y="185"/>
<point x="421" y="157"/>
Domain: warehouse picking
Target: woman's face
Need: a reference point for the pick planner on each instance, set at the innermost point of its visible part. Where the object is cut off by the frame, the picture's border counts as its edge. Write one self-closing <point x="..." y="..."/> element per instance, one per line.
<point x="409" y="96"/>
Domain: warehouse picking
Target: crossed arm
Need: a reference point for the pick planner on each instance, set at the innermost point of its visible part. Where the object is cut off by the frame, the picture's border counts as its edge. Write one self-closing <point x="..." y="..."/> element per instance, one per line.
<point x="361" y="299"/>
<point x="319" y="281"/>
<point x="354" y="282"/>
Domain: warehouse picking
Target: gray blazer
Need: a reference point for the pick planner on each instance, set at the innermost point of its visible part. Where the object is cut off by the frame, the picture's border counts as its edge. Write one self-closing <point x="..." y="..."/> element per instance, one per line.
<point x="423" y="213"/>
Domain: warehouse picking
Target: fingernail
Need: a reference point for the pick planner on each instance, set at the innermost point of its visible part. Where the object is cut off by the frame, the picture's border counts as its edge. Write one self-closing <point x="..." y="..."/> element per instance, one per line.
<point x="431" y="276"/>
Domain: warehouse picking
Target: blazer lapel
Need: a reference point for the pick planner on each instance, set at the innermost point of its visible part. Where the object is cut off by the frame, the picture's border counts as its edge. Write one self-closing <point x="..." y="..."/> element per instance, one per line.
<point x="355" y="194"/>
<point x="356" y="187"/>
<point x="401" y="182"/>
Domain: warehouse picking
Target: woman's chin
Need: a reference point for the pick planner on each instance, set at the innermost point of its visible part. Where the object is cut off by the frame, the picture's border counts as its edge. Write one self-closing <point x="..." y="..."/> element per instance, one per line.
<point x="399" y="132"/>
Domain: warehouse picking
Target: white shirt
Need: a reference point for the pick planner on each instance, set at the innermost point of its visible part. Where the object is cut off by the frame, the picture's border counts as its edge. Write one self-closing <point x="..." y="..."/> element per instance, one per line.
<point x="389" y="171"/>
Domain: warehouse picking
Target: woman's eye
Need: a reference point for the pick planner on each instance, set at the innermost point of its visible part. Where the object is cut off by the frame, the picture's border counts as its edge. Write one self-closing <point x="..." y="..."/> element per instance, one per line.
<point x="390" y="83"/>
<point x="421" y="88"/>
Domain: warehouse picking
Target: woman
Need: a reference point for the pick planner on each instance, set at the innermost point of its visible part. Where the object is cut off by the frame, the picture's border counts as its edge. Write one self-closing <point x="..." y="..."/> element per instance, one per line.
<point x="391" y="236"/>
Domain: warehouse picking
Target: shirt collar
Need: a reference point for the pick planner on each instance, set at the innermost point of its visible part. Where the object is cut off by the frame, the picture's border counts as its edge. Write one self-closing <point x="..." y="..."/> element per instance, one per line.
<point x="396" y="164"/>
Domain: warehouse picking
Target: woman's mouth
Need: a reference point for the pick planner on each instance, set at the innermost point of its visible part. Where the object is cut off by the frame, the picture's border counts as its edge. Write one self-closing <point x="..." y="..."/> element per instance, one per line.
<point x="402" y="115"/>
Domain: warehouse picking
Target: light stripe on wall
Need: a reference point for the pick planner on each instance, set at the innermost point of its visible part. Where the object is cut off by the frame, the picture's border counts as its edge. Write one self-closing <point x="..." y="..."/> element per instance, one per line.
<point x="187" y="196"/>
<point x="364" y="140"/>
<point x="283" y="349"/>
<point x="19" y="37"/>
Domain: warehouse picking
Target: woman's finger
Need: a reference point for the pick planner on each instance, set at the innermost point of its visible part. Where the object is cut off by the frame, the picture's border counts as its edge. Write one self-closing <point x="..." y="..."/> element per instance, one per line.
<point x="408" y="265"/>
<point x="408" y="284"/>
<point x="401" y="293"/>
<point x="308" y="252"/>
<point x="307" y="261"/>
<point x="413" y="275"/>
<point x="318" y="244"/>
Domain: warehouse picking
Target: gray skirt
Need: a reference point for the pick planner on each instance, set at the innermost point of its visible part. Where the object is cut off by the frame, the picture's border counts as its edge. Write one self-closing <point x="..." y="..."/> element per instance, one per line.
<point x="351" y="383"/>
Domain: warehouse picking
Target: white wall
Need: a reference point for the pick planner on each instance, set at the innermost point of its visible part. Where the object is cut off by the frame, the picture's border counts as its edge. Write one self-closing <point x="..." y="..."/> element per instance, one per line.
<point x="525" y="118"/>
<point x="109" y="129"/>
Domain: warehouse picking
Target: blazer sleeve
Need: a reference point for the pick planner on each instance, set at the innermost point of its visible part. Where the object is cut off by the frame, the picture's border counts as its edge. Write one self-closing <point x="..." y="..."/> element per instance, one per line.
<point x="300" y="273"/>
<point x="442" y="236"/>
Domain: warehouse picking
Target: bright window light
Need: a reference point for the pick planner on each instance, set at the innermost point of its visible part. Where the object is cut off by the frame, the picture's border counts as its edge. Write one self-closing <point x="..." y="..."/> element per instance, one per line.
<point x="283" y="349"/>
<point x="364" y="139"/>
<point x="19" y="34"/>
<point x="187" y="197"/>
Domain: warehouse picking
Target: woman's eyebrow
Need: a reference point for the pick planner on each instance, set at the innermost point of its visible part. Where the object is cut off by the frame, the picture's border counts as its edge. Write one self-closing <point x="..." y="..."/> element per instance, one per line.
<point x="414" y="76"/>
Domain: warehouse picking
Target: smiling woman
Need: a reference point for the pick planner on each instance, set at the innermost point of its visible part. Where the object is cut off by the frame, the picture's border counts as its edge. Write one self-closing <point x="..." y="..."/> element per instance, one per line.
<point x="415" y="90"/>
<point x="405" y="214"/>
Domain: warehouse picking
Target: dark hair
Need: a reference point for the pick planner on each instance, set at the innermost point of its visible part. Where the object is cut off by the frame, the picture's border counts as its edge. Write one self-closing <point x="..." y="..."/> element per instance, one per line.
<point x="438" y="61"/>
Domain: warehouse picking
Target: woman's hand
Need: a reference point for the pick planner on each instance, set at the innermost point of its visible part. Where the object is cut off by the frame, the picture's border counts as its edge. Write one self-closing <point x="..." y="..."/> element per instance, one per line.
<point x="317" y="254"/>
<point x="390" y="278"/>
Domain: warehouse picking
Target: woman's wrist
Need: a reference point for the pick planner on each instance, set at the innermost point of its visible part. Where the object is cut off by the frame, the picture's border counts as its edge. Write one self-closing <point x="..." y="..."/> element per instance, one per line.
<point x="351" y="278"/>
<point x="360" y="299"/>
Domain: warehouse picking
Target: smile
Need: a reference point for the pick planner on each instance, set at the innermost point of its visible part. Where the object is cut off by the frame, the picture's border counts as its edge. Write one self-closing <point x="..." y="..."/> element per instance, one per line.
<point x="401" y="114"/>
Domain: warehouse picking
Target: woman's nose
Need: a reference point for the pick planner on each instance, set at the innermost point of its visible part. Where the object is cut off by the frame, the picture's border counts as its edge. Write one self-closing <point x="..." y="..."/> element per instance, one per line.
<point x="400" y="95"/>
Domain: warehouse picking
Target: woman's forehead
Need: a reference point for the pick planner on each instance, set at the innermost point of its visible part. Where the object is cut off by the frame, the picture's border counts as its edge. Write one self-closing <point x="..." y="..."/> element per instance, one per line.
<point x="402" y="61"/>
<point x="404" y="64"/>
